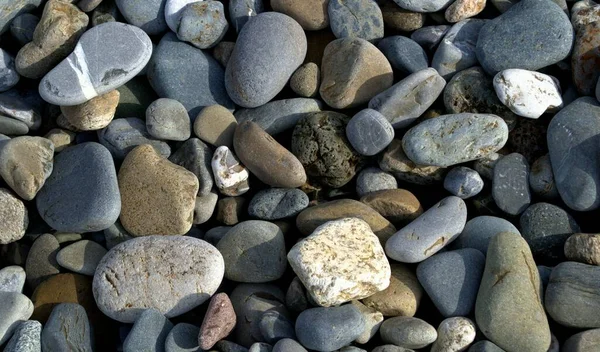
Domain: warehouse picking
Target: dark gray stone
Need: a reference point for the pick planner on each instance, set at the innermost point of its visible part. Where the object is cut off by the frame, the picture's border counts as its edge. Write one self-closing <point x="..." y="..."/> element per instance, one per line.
<point x="463" y="182"/>
<point x="277" y="203"/>
<point x="115" y="234"/>
<point x="122" y="135"/>
<point x="430" y="36"/>
<point x="541" y="178"/>
<point x="279" y="115"/>
<point x="183" y="338"/>
<point x="147" y="15"/>
<point x="288" y="345"/>
<point x="510" y="186"/>
<point x="391" y="348"/>
<point x="404" y="54"/>
<point x="149" y="332"/>
<point x="274" y="326"/>
<point x="10" y="9"/>
<point x="8" y="73"/>
<point x="203" y="24"/>
<point x="240" y="11"/>
<point x="545" y="273"/>
<point x="168" y="119"/>
<point x="369" y="132"/>
<point x="374" y="179"/>
<point x="407" y="332"/>
<point x="196" y="157"/>
<point x="228" y="346"/>
<point x="479" y="230"/>
<point x="585" y="341"/>
<point x="12" y="127"/>
<point x="22" y="27"/>
<point x="355" y="18"/>
<point x="68" y="328"/>
<point x="214" y="235"/>
<point x="328" y="329"/>
<point x="295" y="297"/>
<point x="26" y="338"/>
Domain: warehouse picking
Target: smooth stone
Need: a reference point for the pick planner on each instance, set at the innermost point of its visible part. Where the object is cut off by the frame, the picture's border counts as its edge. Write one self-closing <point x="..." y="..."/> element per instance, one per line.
<point x="92" y="115"/>
<point x="451" y="279"/>
<point x="306" y="80"/>
<point x="353" y="71"/>
<point x="288" y="345"/>
<point x="396" y="205"/>
<point x="197" y="84"/>
<point x="254" y="252"/>
<point x="253" y="78"/>
<point x="328" y="329"/>
<point x="584" y="17"/>
<point x="391" y="348"/>
<point x="173" y="11"/>
<point x="463" y="9"/>
<point x="463" y="182"/>
<point x="429" y="37"/>
<point x="312" y="15"/>
<point x="140" y="273"/>
<point x="23" y="27"/>
<point x="26" y="163"/>
<point x="12" y="279"/>
<point x="541" y="28"/>
<point x="218" y="321"/>
<point x="456" y="51"/>
<point x="81" y="257"/>
<point x="183" y="338"/>
<point x="434" y="229"/>
<point x="116" y="234"/>
<point x="135" y="96"/>
<point x="356" y="19"/>
<point x="485" y="346"/>
<point x="8" y="73"/>
<point x="541" y="178"/>
<point x="68" y="327"/>
<point x="423" y="5"/>
<point x="215" y="125"/>
<point x="295" y="297"/>
<point x="11" y="9"/>
<point x="395" y="161"/>
<point x="107" y="11"/>
<point x="41" y="262"/>
<point x="228" y="346"/>
<point x="167" y="119"/>
<point x="260" y="347"/>
<point x="196" y="157"/>
<point x="509" y="310"/>
<point x="279" y="115"/>
<point x="372" y="319"/>
<point x="404" y="54"/>
<point x="480" y="230"/>
<point x="89" y="166"/>
<point x="510" y="185"/>
<point x="397" y="18"/>
<point x="369" y="132"/>
<point x="230" y="210"/>
<point x="88" y="5"/>
<point x="373" y="179"/>
<point x="571" y="295"/>
<point x="149" y="332"/>
<point x="222" y="51"/>
<point x="454" y="334"/>
<point x="361" y="268"/>
<point x="204" y="207"/>
<point x="277" y="203"/>
<point x="241" y="11"/>
<point x="266" y="159"/>
<point x="407" y="332"/>
<point x="453" y="139"/>
<point x="584" y="341"/>
<point x="202" y="24"/>
<point x="12" y="127"/>
<point x="274" y="326"/>
<point x="579" y="247"/>
<point x="23" y="105"/>
<point x="15" y="308"/>
<point x="27" y="337"/>
<point x="14" y="215"/>
<point x="528" y="93"/>
<point x="147" y="15"/>
<point x="121" y="136"/>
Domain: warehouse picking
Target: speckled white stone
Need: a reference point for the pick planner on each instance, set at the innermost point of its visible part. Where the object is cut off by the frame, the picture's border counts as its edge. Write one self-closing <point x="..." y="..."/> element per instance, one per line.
<point x="454" y="335"/>
<point x="12" y="279"/>
<point x="230" y="176"/>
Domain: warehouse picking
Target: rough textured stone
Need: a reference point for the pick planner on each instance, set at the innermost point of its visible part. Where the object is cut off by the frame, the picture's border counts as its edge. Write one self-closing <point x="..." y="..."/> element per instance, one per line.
<point x="81" y="257"/>
<point x="584" y="248"/>
<point x="26" y="338"/>
<point x="408" y="332"/>
<point x="92" y="115"/>
<point x="218" y="322"/>
<point x="215" y="125"/>
<point x="369" y="132"/>
<point x="306" y="79"/>
<point x="277" y="203"/>
<point x="68" y="326"/>
<point x="148" y="333"/>
<point x="510" y="185"/>
<point x="312" y="15"/>
<point x="203" y="24"/>
<point x="454" y="334"/>
<point x="401" y="297"/>
<point x="14" y="215"/>
<point x="15" y="308"/>
<point x="356" y="19"/>
<point x="328" y="329"/>
<point x="12" y="279"/>
<point x="584" y="17"/>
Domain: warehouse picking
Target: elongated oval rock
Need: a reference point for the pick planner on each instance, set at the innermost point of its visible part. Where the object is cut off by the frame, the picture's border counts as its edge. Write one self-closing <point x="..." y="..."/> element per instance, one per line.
<point x="89" y="71"/>
<point x="453" y="139"/>
<point x="510" y="185"/>
<point x="279" y="115"/>
<point x="253" y="77"/>
<point x="509" y="310"/>
<point x="170" y="274"/>
<point x="428" y="233"/>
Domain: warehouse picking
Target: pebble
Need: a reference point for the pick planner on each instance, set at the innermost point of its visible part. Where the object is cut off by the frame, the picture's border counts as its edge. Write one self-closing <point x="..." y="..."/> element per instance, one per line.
<point x="230" y="210"/>
<point x="372" y="319"/>
<point x="268" y="160"/>
<point x="401" y="297"/>
<point x="391" y="348"/>
<point x="12" y="127"/>
<point x="196" y="157"/>
<point x="396" y="205"/>
<point x="353" y="72"/>
<point x="480" y="230"/>
<point x="328" y="329"/>
<point x="400" y="19"/>
<point x="541" y="179"/>
<point x="68" y="327"/>
<point x="218" y="322"/>
<point x="541" y="28"/>
<point x="408" y="332"/>
<point x="429" y="37"/>
<point x="373" y="179"/>
<point x="585" y="16"/>
<point x="434" y="229"/>
<point x="27" y="337"/>
<point x="454" y="334"/>
<point x="23" y="26"/>
<point x="92" y="115"/>
<point x="172" y="274"/>
<point x="295" y="297"/>
<point x="279" y="115"/>
<point x="404" y="54"/>
<point x="360" y="270"/>
<point x="107" y="11"/>
<point x="22" y="105"/>
<point x="356" y="19"/>
<point x="12" y="279"/>
<point x="571" y="295"/>
<point x="283" y="44"/>
<point x="463" y="182"/>
<point x="395" y="161"/>
<point x="67" y="208"/>
<point x="135" y="97"/>
<point x="116" y="234"/>
<point x="581" y="247"/>
<point x="197" y="84"/>
<point x="173" y="11"/>
<point x="241" y="11"/>
<point x="451" y="279"/>
<point x="228" y="346"/>
<point x="306" y="80"/>
<point x="183" y="338"/>
<point x="583" y="341"/>
<point x="510" y="275"/>
<point x="312" y="15"/>
<point x="485" y="346"/>
<point x="260" y="347"/>
<point x="510" y="185"/>
<point x="8" y="73"/>
<point x="202" y="24"/>
<point x="274" y="326"/>
<point x="222" y="51"/>
<point x="148" y="16"/>
<point x="277" y="203"/>
<point x="15" y="308"/>
<point x="423" y="5"/>
<point x="369" y="132"/>
<point x="215" y="125"/>
<point x="60" y="138"/>
<point x="288" y="345"/>
<point x="157" y="196"/>
<point x="63" y="288"/>
<point x="41" y="262"/>
<point x="167" y="119"/>
<point x="123" y="135"/>
<point x="149" y="332"/>
<point x="230" y="176"/>
<point x="204" y="207"/>
<point x="456" y="51"/>
<point x="463" y="9"/>
<point x="453" y="139"/>
<point x="527" y="93"/>
<point x="14" y="215"/>
<point x="81" y="257"/>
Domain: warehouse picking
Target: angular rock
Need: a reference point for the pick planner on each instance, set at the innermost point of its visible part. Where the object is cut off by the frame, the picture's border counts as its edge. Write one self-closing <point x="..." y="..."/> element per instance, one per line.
<point x="231" y="178"/>
<point x="456" y="51"/>
<point x="279" y="115"/>
<point x="92" y="115"/>
<point x="196" y="157"/>
<point x="15" y="218"/>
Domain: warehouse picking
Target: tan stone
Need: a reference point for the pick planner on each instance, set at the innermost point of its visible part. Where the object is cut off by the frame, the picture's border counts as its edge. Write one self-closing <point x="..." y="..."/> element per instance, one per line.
<point x="463" y="9"/>
<point x="230" y="210"/>
<point x="62" y="288"/>
<point x="14" y="217"/>
<point x="401" y="298"/>
<point x="312" y="15"/>
<point x="215" y="125"/>
<point x="60" y="138"/>
<point x="92" y="115"/>
<point x="157" y="196"/>
<point x="583" y="248"/>
<point x="395" y="161"/>
<point x="396" y="205"/>
<point x="400" y="19"/>
<point x="306" y="80"/>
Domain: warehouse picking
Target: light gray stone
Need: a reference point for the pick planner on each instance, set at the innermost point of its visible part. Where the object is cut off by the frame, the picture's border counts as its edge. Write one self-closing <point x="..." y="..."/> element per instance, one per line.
<point x="408" y="332"/>
<point x="81" y="257"/>
<point x="12" y="279"/>
<point x="68" y="328"/>
<point x="26" y="338"/>
<point x="14" y="309"/>
<point x="149" y="332"/>
<point x="369" y="132"/>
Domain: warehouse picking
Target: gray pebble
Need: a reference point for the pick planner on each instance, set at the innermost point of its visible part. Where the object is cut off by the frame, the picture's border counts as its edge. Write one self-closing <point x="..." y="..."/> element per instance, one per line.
<point x="147" y="15"/>
<point x="41" y="261"/>
<point x="205" y="207"/>
<point x="12" y="127"/>
<point x="328" y="329"/>
<point x="11" y="9"/>
<point x="196" y="156"/>
<point x="203" y="24"/>
<point x="240" y="11"/>
<point x="277" y="203"/>
<point x="288" y="345"/>
<point x="541" y="179"/>
<point x="510" y="186"/>
<point x="430" y="36"/>
<point x="355" y="18"/>
<point x="168" y="119"/>
<point x="26" y="338"/>
<point x="260" y="347"/>
<point x="463" y="182"/>
<point x="274" y="326"/>
<point x="12" y="279"/>
<point x="374" y="179"/>
<point x="404" y="54"/>
<point x="115" y="234"/>
<point x="122" y="135"/>
<point x="23" y="26"/>
<point x="485" y="166"/>
<point x="585" y="341"/>
<point x="391" y="348"/>
<point x="214" y="235"/>
<point x="8" y="74"/>
<point x="279" y="115"/>
<point x="107" y="11"/>
<point x="351" y="349"/>
<point x="485" y="346"/>
<point x="408" y="332"/>
<point x="295" y="297"/>
<point x="15" y="308"/>
<point x="149" y="332"/>
<point x="68" y="328"/>
<point x="228" y="346"/>
<point x="369" y="132"/>
<point x="479" y="230"/>
<point x="23" y="105"/>
<point x="81" y="257"/>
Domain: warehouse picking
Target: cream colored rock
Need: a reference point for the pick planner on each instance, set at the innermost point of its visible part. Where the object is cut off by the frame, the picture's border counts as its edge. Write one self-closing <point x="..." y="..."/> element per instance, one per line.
<point x="157" y="196"/>
<point x="95" y="114"/>
<point x="231" y="177"/>
<point x="341" y="261"/>
<point x="60" y="138"/>
<point x="14" y="217"/>
<point x="527" y="93"/>
<point x="463" y="9"/>
<point x="454" y="335"/>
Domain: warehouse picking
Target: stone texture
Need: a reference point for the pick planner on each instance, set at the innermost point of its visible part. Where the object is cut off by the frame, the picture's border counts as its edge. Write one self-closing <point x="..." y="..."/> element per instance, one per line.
<point x="463" y="182"/>
<point x="8" y="73"/>
<point x="463" y="9"/>
<point x="12" y="279"/>
<point x="203" y="24"/>
<point x="274" y="326"/>
<point x="81" y="257"/>
<point x="15" y="218"/>
<point x="306" y="80"/>
<point x="404" y="54"/>
<point x="584" y="341"/>
<point x="167" y="119"/>
<point x="41" y="262"/>
<point x="396" y="205"/>
<point x="480" y="230"/>
<point x="373" y="179"/>
<point x="241" y="11"/>
<point x="231" y="178"/>
<point x="123" y="135"/>
<point x="196" y="157"/>
<point x="277" y="203"/>
<point x="373" y="320"/>
<point x="215" y="125"/>
<point x="585" y="17"/>
<point x="149" y="15"/>
<point x="26" y="338"/>
<point x="218" y="322"/>
<point x="401" y="297"/>
<point x="510" y="185"/>
<point x="15" y="308"/>
<point x="328" y="329"/>
<point x="312" y="15"/>
<point x="400" y="19"/>
<point x="68" y="327"/>
<point x="541" y="178"/>
<point x="148" y="333"/>
<point x="230" y="210"/>
<point x="183" y="338"/>
<point x="355" y="19"/>
<point x="584" y="248"/>
<point x="92" y="115"/>
<point x="454" y="334"/>
<point x="369" y="132"/>
<point x="407" y="332"/>
<point x="204" y="207"/>
<point x="395" y="161"/>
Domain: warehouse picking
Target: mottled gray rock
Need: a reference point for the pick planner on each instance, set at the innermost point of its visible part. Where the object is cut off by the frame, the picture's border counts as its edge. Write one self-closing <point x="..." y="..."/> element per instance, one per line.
<point x="240" y="11"/>
<point x="81" y="257"/>
<point x="122" y="135"/>
<point x="279" y="115"/>
<point x="12" y="279"/>
<point x="510" y="185"/>
<point x="355" y="18"/>
<point x="196" y="157"/>
<point x="585" y="341"/>
<point x="11" y="9"/>
<point x="15" y="308"/>
<point x="463" y="182"/>
<point x="147" y="15"/>
<point x="8" y="73"/>
<point x="149" y="332"/>
<point x="369" y="132"/>
<point x="423" y="5"/>
<point x="407" y="332"/>
<point x="404" y="54"/>
<point x="15" y="217"/>
<point x="26" y="338"/>
<point x="41" y="260"/>
<point x="183" y="338"/>
<point x="541" y="178"/>
<point x="173" y="11"/>
<point x="430" y="36"/>
<point x="374" y="179"/>
<point x="328" y="329"/>
<point x="288" y="345"/>
<point x="479" y="231"/>
<point x="168" y="119"/>
<point x="277" y="203"/>
<point x="202" y="24"/>
<point x="274" y="326"/>
<point x="23" y="26"/>
<point x="68" y="327"/>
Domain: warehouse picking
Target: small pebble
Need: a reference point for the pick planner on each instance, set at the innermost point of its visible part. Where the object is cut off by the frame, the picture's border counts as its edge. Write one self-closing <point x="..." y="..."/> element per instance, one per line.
<point x="231" y="178"/>
<point x="12" y="279"/>
<point x="402" y="297"/>
<point x="61" y="139"/>
<point x="218" y="322"/>
<point x="230" y="210"/>
<point x="202" y="24"/>
<point x="15" y="308"/>
<point x="510" y="185"/>
<point x="215" y="125"/>
<point x="68" y="327"/>
<point x="463" y="9"/>
<point x="582" y="247"/>
<point x="167" y="119"/>
<point x="541" y="179"/>
<point x="356" y="19"/>
<point x="306" y="80"/>
<point x="454" y="334"/>
<point x="122" y="135"/>
<point x="369" y="132"/>
<point x="94" y="114"/>
<point x="14" y="215"/>
<point x="408" y="332"/>
<point x="373" y="179"/>
<point x="277" y="203"/>
<point x="463" y="182"/>
<point x="81" y="257"/>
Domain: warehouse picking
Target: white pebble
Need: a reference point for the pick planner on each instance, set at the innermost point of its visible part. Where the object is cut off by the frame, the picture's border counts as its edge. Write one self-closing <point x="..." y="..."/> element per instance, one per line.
<point x="454" y="334"/>
<point x="230" y="176"/>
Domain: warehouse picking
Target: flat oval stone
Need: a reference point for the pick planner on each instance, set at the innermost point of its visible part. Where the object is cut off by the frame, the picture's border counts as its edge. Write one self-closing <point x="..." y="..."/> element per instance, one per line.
<point x="479" y="231"/>
<point x="582" y="247"/>
<point x="26" y="337"/>
<point x="94" y="74"/>
<point x="408" y="332"/>
<point x="463" y="182"/>
<point x="12" y="279"/>
<point x="81" y="257"/>
<point x="423" y="5"/>
<point x="94" y="203"/>
<point x="15" y="308"/>
<point x="241" y="11"/>
<point x="355" y="18"/>
<point x="404" y="54"/>
<point x="149" y="15"/>
<point x="67" y="326"/>
<point x="369" y="132"/>
<point x="312" y="15"/>
<point x="277" y="203"/>
<point x="279" y="115"/>
<point x="428" y="233"/>
<point x="15" y="218"/>
<point x="541" y="178"/>
<point x="252" y="77"/>
<point x="328" y="329"/>
<point x="167" y="119"/>
<point x="170" y="274"/>
<point x="510" y="185"/>
<point x="453" y="139"/>
<point x="12" y="127"/>
<point x="396" y="205"/>
<point x="541" y="28"/>
<point x="121" y="136"/>
<point x="509" y="310"/>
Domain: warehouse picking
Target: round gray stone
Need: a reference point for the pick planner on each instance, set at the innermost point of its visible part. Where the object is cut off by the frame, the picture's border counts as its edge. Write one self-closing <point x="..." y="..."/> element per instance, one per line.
<point x="150" y="330"/>
<point x="168" y="119"/>
<point x="510" y="185"/>
<point x="203" y="24"/>
<point x="369" y="132"/>
<point x="407" y="332"/>
<point x="328" y="329"/>
<point x="279" y="115"/>
<point x="479" y="230"/>
<point x="404" y="54"/>
<point x="81" y="257"/>
<point x="288" y="345"/>
<point x="585" y="341"/>
<point x="373" y="179"/>
<point x="67" y="327"/>
<point x="26" y="338"/>
<point x="355" y="18"/>
<point x="11" y="9"/>
<point x="122" y="135"/>
<point x="430" y="36"/>
<point x="277" y="203"/>
<point x="15" y="308"/>
<point x="196" y="157"/>
<point x="463" y="182"/>
<point x="147" y="15"/>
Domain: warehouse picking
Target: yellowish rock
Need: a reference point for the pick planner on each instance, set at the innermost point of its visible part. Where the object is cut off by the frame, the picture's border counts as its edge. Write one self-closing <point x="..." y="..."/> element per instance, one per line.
<point x="92" y="115"/>
<point x="401" y="298"/>
<point x="463" y="9"/>
<point x="215" y="125"/>
<point x="60" y="138"/>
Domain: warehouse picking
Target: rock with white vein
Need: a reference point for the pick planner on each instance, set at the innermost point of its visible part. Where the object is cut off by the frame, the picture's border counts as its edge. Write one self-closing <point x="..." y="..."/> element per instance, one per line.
<point x="231" y="177"/>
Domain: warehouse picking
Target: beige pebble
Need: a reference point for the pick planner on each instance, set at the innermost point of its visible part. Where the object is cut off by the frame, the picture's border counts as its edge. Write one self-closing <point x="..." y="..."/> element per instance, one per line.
<point x="215" y="125"/>
<point x="463" y="9"/>
<point x="306" y="80"/>
<point x="14" y="217"/>
<point x="583" y="248"/>
<point x="312" y="15"/>
<point x="92" y="115"/>
<point x="60" y="138"/>
<point x="402" y="297"/>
